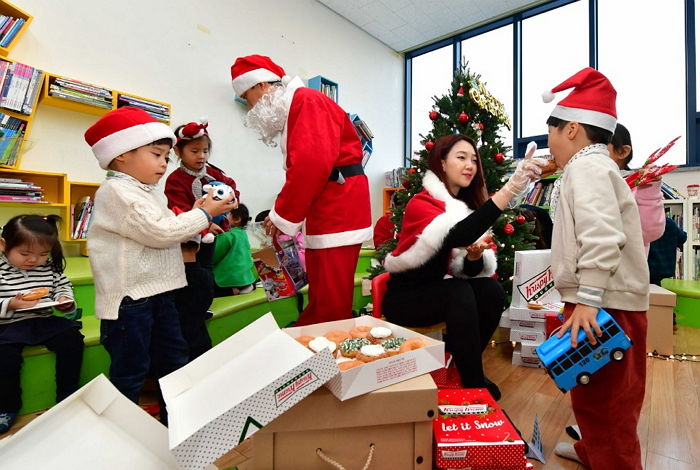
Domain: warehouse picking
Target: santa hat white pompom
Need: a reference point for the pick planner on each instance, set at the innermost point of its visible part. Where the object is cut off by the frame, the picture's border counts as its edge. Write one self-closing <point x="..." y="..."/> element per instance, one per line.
<point x="547" y="96"/>
<point x="204" y="120"/>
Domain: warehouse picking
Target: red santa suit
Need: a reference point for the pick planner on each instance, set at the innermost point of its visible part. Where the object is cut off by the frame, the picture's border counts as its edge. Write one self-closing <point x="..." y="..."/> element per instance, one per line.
<point x="326" y="194"/>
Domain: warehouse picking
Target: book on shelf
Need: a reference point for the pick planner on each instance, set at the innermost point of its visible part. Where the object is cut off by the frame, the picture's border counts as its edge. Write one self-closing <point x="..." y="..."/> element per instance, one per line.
<point x="393" y="178"/>
<point x="11" y="31"/>
<point x="82" y="213"/>
<point x="11" y="136"/>
<point x="157" y="110"/>
<point x="670" y="192"/>
<point x="81" y="92"/>
<point x="19" y="85"/>
<point x="17" y="190"/>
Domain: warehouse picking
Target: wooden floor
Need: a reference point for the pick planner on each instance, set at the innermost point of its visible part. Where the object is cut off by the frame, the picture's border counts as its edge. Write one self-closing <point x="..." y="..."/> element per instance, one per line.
<point x="669" y="427"/>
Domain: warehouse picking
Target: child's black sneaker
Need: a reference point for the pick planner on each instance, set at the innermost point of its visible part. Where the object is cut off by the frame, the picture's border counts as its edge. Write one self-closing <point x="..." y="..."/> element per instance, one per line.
<point x="6" y="420"/>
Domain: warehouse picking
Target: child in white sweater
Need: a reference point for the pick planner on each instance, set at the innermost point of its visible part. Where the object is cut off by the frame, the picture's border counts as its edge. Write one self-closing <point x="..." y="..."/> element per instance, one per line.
<point x="134" y="243"/>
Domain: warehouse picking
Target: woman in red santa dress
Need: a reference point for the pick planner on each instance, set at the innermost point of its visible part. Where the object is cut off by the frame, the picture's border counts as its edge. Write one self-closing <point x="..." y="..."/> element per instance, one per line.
<point x="444" y="232"/>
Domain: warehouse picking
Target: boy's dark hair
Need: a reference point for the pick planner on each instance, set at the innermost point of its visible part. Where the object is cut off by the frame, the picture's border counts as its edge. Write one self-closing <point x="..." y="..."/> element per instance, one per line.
<point x="261" y="216"/>
<point x="33" y="229"/>
<point x="620" y="138"/>
<point x="242" y="213"/>
<point x="595" y="134"/>
<point x="166" y="141"/>
<point x="180" y="144"/>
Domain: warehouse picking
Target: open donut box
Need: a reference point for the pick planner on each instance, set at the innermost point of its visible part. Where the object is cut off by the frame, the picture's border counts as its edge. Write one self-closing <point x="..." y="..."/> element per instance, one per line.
<point x="382" y="372"/>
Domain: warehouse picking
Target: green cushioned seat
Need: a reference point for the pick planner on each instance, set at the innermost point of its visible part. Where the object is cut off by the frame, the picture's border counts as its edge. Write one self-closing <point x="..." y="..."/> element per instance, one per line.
<point x="231" y="314"/>
<point x="687" y="300"/>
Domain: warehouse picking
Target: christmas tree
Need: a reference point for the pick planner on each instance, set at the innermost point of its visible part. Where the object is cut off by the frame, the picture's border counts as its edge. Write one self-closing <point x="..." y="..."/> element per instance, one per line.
<point x="471" y="110"/>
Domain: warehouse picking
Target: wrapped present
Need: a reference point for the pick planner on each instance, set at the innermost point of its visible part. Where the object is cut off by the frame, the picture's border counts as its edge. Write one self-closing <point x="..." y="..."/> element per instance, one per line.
<point x="448" y="376"/>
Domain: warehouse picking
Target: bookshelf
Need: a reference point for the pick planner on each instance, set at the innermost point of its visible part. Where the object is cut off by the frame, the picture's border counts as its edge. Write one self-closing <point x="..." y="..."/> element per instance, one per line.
<point x="387" y="195"/>
<point x="686" y="213"/>
<point x="77" y="191"/>
<point x="324" y="85"/>
<point x="58" y="89"/>
<point x="541" y="193"/>
<point x="9" y="10"/>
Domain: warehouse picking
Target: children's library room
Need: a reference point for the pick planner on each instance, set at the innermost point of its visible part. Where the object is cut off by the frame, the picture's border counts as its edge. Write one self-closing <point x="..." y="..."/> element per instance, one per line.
<point x="350" y="234"/>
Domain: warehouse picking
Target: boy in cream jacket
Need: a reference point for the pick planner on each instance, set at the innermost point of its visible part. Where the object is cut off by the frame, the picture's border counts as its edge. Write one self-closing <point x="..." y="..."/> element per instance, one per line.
<point x="134" y="243"/>
<point x="598" y="260"/>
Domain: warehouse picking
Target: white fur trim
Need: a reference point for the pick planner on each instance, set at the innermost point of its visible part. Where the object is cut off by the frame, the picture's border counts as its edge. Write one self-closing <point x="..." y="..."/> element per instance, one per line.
<point x="547" y="96"/>
<point x="287" y="227"/>
<point x="248" y="80"/>
<point x="585" y="116"/>
<point x="457" y="263"/>
<point x="430" y="240"/>
<point x="290" y="87"/>
<point x="113" y="145"/>
<point x="331" y="240"/>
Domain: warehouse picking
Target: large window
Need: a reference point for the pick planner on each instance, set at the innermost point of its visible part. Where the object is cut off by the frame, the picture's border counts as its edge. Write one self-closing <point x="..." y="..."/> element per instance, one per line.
<point x="645" y="61"/>
<point x="644" y="55"/>
<point x="491" y="56"/>
<point x="431" y="76"/>
<point x="555" y="46"/>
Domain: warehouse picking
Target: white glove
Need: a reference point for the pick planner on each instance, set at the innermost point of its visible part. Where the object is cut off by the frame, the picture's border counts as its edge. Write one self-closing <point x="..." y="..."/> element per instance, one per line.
<point x="528" y="170"/>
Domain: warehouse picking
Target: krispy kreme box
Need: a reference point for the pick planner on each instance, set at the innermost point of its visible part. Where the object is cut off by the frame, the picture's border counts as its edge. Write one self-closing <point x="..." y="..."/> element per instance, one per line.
<point x="532" y="279"/>
<point x="472" y="432"/>
<point x="236" y="388"/>
<point x="95" y="427"/>
<point x="536" y="312"/>
<point x="382" y="372"/>
<point x="527" y="335"/>
<point x="522" y="356"/>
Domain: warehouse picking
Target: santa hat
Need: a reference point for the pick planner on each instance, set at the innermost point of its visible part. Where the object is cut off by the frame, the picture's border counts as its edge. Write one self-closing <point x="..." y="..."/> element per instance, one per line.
<point x="591" y="102"/>
<point x="248" y="71"/>
<point x="122" y="130"/>
<point x="193" y="130"/>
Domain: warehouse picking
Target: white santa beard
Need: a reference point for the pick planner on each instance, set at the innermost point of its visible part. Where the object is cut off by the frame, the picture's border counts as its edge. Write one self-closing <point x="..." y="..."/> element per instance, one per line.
<point x="268" y="116"/>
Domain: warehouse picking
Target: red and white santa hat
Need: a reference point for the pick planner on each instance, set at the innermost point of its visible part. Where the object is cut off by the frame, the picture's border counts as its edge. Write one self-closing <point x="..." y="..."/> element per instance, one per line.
<point x="248" y="71"/>
<point x="122" y="130"/>
<point x="192" y="130"/>
<point x="591" y="102"/>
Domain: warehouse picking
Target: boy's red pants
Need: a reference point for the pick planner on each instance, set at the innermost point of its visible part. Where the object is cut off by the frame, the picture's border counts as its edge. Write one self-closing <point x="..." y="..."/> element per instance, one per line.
<point x="607" y="409"/>
<point x="331" y="276"/>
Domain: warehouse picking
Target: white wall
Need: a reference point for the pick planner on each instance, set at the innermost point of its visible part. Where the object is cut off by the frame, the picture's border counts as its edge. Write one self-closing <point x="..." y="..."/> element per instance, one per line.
<point x="180" y="52"/>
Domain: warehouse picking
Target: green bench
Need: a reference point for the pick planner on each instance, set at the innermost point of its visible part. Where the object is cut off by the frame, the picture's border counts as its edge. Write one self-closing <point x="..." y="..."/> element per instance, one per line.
<point x="687" y="300"/>
<point x="231" y="314"/>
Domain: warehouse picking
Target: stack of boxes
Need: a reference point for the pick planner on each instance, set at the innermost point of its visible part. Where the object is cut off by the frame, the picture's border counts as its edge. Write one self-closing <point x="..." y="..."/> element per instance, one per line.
<point x="534" y="296"/>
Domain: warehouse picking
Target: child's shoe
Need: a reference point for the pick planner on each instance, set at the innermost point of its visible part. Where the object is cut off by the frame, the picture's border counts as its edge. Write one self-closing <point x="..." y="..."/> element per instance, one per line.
<point x="574" y="432"/>
<point x="247" y="289"/>
<point x="566" y="450"/>
<point x="6" y="420"/>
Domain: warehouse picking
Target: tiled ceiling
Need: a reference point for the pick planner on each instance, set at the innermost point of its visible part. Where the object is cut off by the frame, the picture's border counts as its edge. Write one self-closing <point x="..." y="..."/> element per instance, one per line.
<point x="407" y="24"/>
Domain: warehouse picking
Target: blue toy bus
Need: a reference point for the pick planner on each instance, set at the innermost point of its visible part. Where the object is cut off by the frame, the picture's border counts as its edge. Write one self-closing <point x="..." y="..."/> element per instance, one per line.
<point x="569" y="367"/>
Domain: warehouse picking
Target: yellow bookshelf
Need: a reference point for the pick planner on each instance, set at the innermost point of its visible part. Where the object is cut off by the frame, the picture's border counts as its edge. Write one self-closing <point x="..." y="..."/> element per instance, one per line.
<point x="388" y="193"/>
<point x="9" y="9"/>
<point x="119" y="103"/>
<point x="76" y="191"/>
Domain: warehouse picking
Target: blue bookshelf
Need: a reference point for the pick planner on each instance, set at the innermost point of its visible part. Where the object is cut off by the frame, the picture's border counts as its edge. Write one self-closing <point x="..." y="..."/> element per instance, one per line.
<point x="325" y="86"/>
<point x="365" y="138"/>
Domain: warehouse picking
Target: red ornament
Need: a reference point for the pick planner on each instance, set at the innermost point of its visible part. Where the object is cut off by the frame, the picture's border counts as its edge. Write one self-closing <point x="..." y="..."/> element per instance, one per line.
<point x="508" y="229"/>
<point x="411" y="170"/>
<point x="429" y="145"/>
<point x="520" y="219"/>
<point x="499" y="157"/>
<point x="480" y="126"/>
<point x="405" y="183"/>
<point x="433" y="115"/>
<point x="463" y="117"/>
<point x="461" y="90"/>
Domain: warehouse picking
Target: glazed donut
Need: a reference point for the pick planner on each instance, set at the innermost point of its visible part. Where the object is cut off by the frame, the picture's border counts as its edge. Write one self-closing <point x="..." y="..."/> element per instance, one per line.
<point x="349" y="364"/>
<point x="534" y="306"/>
<point x="320" y="342"/>
<point x="371" y="352"/>
<point x="360" y="331"/>
<point x="392" y="345"/>
<point x="351" y="346"/>
<point x="550" y="169"/>
<point x="411" y="344"/>
<point x="337" y="336"/>
<point x="378" y="334"/>
<point x="35" y="294"/>
<point x="304" y="340"/>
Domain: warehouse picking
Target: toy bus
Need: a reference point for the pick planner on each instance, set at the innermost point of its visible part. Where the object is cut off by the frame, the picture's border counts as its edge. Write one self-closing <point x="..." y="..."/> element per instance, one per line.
<point x="569" y="366"/>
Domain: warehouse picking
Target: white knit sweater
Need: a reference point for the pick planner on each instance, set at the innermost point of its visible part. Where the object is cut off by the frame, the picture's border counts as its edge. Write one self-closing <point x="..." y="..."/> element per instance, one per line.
<point x="134" y="243"/>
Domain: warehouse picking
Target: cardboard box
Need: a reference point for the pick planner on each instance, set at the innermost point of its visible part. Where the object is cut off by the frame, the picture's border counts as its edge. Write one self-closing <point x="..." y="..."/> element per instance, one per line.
<point x="396" y="419"/>
<point x="527" y="325"/>
<point x="527" y="335"/>
<point x="383" y="372"/>
<point x="528" y="349"/>
<point x="472" y="432"/>
<point x="536" y="315"/>
<point x="96" y="427"/>
<point x="504" y="322"/>
<point x="525" y="361"/>
<point x="532" y="278"/>
<point x="660" y="320"/>
<point x="280" y="270"/>
<point x="236" y="388"/>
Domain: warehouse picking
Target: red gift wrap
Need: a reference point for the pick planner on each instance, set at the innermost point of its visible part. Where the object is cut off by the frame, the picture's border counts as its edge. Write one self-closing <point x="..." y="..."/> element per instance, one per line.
<point x="472" y="432"/>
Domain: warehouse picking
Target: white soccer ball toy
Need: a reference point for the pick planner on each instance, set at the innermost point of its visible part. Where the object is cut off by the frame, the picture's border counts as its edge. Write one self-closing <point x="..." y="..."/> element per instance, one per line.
<point x="221" y="190"/>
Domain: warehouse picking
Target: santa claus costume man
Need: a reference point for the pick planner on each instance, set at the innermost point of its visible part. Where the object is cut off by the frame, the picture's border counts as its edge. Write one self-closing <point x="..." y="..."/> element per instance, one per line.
<point x="325" y="193"/>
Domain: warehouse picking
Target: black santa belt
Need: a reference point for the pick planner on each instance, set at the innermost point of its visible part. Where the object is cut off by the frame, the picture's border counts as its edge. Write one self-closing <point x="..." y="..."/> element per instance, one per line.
<point x="340" y="173"/>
